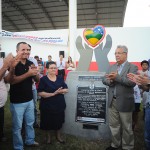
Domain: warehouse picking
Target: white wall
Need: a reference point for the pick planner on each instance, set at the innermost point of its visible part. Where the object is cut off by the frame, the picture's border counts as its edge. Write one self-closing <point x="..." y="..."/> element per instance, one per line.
<point x="41" y="49"/>
<point x="136" y="39"/>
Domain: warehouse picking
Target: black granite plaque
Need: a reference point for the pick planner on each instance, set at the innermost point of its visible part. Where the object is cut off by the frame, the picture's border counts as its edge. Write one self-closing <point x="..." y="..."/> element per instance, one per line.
<point x="91" y="104"/>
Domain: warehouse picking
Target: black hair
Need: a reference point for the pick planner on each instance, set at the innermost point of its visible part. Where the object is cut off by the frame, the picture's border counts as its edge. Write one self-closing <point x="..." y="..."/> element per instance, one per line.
<point x="50" y="63"/>
<point x="39" y="62"/>
<point x="145" y="61"/>
<point x="36" y="57"/>
<point x="29" y="45"/>
<point x="17" y="46"/>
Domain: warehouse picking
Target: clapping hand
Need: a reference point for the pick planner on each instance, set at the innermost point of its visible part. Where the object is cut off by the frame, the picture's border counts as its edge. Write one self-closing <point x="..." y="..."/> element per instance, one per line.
<point x="132" y="77"/>
<point x="11" y="62"/>
<point x="111" y="76"/>
<point x="16" y="60"/>
<point x="138" y="79"/>
<point x="60" y="91"/>
<point x="7" y="61"/>
<point x="33" y="70"/>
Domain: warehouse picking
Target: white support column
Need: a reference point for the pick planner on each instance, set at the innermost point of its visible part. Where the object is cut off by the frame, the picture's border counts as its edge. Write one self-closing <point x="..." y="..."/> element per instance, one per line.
<point x="0" y="15"/>
<point x="72" y="27"/>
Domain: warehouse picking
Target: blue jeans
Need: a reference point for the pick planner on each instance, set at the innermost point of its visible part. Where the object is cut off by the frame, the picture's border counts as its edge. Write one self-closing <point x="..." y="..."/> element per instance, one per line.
<point x="19" y="112"/>
<point x="35" y="102"/>
<point x="147" y="127"/>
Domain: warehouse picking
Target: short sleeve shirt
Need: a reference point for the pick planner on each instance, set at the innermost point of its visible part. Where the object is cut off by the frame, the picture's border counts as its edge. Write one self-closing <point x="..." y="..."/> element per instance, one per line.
<point x="22" y="91"/>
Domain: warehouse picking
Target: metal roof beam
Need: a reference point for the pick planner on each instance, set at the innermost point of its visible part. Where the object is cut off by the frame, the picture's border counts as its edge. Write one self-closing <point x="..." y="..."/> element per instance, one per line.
<point x="10" y="21"/>
<point x="100" y="2"/>
<point x="67" y="3"/>
<point x="13" y="4"/>
<point x="96" y="13"/>
<point x="45" y="12"/>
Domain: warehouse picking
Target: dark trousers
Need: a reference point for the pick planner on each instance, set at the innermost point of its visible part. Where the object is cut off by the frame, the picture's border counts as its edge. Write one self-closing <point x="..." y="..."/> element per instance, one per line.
<point x="1" y="122"/>
<point x="61" y="73"/>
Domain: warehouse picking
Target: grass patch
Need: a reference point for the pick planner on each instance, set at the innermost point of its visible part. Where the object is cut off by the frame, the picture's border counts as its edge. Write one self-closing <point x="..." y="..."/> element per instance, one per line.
<point x="72" y="142"/>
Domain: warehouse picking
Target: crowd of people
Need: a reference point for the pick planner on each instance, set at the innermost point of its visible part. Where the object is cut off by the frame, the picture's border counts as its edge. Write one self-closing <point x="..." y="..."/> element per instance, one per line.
<point x="29" y="82"/>
<point x="63" y="67"/>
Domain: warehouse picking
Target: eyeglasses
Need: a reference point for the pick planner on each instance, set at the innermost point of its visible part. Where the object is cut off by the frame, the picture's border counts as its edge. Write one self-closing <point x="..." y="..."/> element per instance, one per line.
<point x="119" y="53"/>
<point x="52" y="68"/>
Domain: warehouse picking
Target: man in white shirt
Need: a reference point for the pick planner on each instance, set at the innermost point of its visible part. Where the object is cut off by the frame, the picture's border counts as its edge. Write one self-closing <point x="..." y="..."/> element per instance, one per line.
<point x="61" y="66"/>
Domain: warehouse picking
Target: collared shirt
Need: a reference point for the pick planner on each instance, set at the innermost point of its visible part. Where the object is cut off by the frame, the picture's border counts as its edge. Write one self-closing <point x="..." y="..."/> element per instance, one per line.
<point x="120" y="67"/>
<point x="61" y="64"/>
<point x="22" y="92"/>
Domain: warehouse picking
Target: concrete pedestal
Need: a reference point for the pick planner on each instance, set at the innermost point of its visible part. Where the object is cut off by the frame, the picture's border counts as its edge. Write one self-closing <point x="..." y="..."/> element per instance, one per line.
<point x="77" y="128"/>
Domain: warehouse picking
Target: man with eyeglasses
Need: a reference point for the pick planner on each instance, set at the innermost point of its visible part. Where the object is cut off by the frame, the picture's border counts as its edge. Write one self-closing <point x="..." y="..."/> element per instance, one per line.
<point x="120" y="100"/>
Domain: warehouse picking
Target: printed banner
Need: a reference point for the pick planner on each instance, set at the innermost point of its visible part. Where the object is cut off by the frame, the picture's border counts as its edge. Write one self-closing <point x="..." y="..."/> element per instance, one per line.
<point x="58" y="40"/>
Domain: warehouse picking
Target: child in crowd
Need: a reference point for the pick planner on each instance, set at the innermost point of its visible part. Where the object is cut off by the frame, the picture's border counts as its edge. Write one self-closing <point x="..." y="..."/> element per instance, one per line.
<point x="144" y="72"/>
<point x="145" y="67"/>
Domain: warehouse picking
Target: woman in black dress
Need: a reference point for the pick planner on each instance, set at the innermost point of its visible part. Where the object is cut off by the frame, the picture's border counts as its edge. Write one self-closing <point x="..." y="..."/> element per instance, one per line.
<point x="52" y="104"/>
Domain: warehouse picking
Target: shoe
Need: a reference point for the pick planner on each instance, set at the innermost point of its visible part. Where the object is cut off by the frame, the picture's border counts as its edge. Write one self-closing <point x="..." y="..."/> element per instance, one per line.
<point x="35" y="144"/>
<point x="61" y="141"/>
<point x="111" y="148"/>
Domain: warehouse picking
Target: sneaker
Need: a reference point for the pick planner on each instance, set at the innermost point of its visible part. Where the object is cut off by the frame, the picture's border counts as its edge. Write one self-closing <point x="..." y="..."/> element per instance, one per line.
<point x="35" y="144"/>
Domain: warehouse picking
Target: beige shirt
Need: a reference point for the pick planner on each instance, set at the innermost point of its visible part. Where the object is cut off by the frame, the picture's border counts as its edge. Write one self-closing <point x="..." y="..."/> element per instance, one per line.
<point x="3" y="88"/>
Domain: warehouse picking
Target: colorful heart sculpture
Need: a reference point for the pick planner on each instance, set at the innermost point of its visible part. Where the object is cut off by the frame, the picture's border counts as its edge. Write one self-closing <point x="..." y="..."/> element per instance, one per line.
<point x="94" y="36"/>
